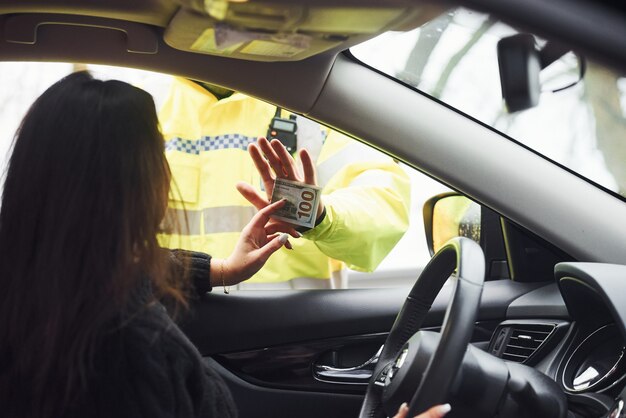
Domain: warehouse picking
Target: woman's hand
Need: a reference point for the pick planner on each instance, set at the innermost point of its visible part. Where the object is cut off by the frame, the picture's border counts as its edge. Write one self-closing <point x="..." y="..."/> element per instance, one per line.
<point x="258" y="241"/>
<point x="272" y="160"/>
<point x="437" y="411"/>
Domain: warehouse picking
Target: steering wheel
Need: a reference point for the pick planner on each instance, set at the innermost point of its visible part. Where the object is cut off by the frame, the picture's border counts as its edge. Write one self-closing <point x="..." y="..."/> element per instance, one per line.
<point x="420" y="366"/>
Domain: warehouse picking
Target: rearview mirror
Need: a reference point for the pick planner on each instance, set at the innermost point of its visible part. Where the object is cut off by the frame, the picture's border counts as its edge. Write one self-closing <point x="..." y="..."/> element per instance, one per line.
<point x="526" y="70"/>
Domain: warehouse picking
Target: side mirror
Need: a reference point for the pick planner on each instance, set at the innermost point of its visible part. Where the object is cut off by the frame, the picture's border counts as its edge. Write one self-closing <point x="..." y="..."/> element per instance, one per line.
<point x="510" y="250"/>
<point x="450" y="215"/>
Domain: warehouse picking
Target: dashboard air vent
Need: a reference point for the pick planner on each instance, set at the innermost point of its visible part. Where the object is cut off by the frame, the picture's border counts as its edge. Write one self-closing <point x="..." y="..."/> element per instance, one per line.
<point x="518" y="342"/>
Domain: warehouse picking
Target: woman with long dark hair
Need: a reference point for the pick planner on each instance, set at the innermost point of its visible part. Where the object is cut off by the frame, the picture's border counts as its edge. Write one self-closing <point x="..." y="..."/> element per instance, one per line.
<point x="82" y="329"/>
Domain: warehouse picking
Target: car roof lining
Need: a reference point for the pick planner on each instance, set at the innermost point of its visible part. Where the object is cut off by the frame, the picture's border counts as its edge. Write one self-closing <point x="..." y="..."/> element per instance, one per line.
<point x="95" y="44"/>
<point x="151" y="12"/>
<point x="107" y="31"/>
<point x="572" y="23"/>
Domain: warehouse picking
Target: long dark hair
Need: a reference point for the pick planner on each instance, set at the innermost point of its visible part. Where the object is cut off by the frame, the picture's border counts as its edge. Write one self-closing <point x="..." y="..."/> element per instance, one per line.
<point x="85" y="193"/>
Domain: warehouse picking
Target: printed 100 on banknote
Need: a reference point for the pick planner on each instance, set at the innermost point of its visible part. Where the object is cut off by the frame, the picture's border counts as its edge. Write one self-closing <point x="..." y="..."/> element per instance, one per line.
<point x="302" y="202"/>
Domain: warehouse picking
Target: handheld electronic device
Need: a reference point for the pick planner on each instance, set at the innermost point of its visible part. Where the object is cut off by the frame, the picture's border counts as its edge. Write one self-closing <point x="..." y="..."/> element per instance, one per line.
<point x="285" y="130"/>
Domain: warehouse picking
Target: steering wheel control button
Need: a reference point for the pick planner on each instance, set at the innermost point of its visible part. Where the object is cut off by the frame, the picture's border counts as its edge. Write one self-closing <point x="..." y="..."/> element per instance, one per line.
<point x="381" y="380"/>
<point x="392" y="369"/>
<point x="401" y="358"/>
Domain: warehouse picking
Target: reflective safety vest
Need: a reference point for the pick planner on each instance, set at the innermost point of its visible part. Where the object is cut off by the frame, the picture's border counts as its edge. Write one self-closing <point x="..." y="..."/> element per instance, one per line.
<point x="366" y="195"/>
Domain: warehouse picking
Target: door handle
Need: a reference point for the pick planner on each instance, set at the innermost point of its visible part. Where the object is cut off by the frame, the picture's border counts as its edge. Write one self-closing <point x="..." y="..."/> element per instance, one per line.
<point x="358" y="375"/>
<point x="23" y="28"/>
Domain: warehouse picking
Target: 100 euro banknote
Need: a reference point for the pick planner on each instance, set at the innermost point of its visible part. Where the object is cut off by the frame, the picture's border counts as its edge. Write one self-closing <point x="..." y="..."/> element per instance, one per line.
<point x="302" y="202"/>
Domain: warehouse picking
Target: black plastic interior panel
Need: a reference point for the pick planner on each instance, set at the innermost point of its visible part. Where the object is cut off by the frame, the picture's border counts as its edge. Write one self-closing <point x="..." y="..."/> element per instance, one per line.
<point x="257" y="402"/>
<point x="24" y="29"/>
<point x="296" y="366"/>
<point x="544" y="302"/>
<point x="152" y="12"/>
<point x="601" y="285"/>
<point x="531" y="258"/>
<point x="247" y="320"/>
<point x="290" y="366"/>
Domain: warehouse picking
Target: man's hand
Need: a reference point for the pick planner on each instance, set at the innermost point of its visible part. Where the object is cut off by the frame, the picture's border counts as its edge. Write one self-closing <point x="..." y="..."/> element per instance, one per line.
<point x="272" y="160"/>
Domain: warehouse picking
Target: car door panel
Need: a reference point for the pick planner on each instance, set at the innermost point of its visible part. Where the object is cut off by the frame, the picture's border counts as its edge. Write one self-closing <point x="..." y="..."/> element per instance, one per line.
<point x="266" y="344"/>
<point x="248" y="320"/>
<point x="262" y="402"/>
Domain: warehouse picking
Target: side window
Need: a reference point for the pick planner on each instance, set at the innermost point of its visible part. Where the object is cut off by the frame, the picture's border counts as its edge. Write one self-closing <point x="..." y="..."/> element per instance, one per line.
<point x="20" y="84"/>
<point x="407" y="259"/>
<point x="372" y="234"/>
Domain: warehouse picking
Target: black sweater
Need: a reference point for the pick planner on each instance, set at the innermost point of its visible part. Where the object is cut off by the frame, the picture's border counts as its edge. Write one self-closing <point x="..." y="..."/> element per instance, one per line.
<point x="147" y="367"/>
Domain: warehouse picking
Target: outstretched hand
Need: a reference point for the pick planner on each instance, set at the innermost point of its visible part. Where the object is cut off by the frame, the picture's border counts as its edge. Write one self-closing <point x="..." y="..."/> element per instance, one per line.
<point x="437" y="411"/>
<point x="272" y="160"/>
<point x="257" y="242"/>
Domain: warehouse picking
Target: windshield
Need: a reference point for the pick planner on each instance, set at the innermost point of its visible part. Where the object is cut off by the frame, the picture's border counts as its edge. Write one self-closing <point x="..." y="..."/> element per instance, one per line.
<point x="454" y="59"/>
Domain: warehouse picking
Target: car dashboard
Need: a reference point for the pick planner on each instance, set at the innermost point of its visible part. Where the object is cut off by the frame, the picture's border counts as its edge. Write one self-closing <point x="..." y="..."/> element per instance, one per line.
<point x="573" y="331"/>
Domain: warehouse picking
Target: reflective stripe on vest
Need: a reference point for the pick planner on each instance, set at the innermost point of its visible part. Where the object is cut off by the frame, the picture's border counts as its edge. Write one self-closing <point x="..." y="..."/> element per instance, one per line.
<point x="216" y="220"/>
<point x="209" y="143"/>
